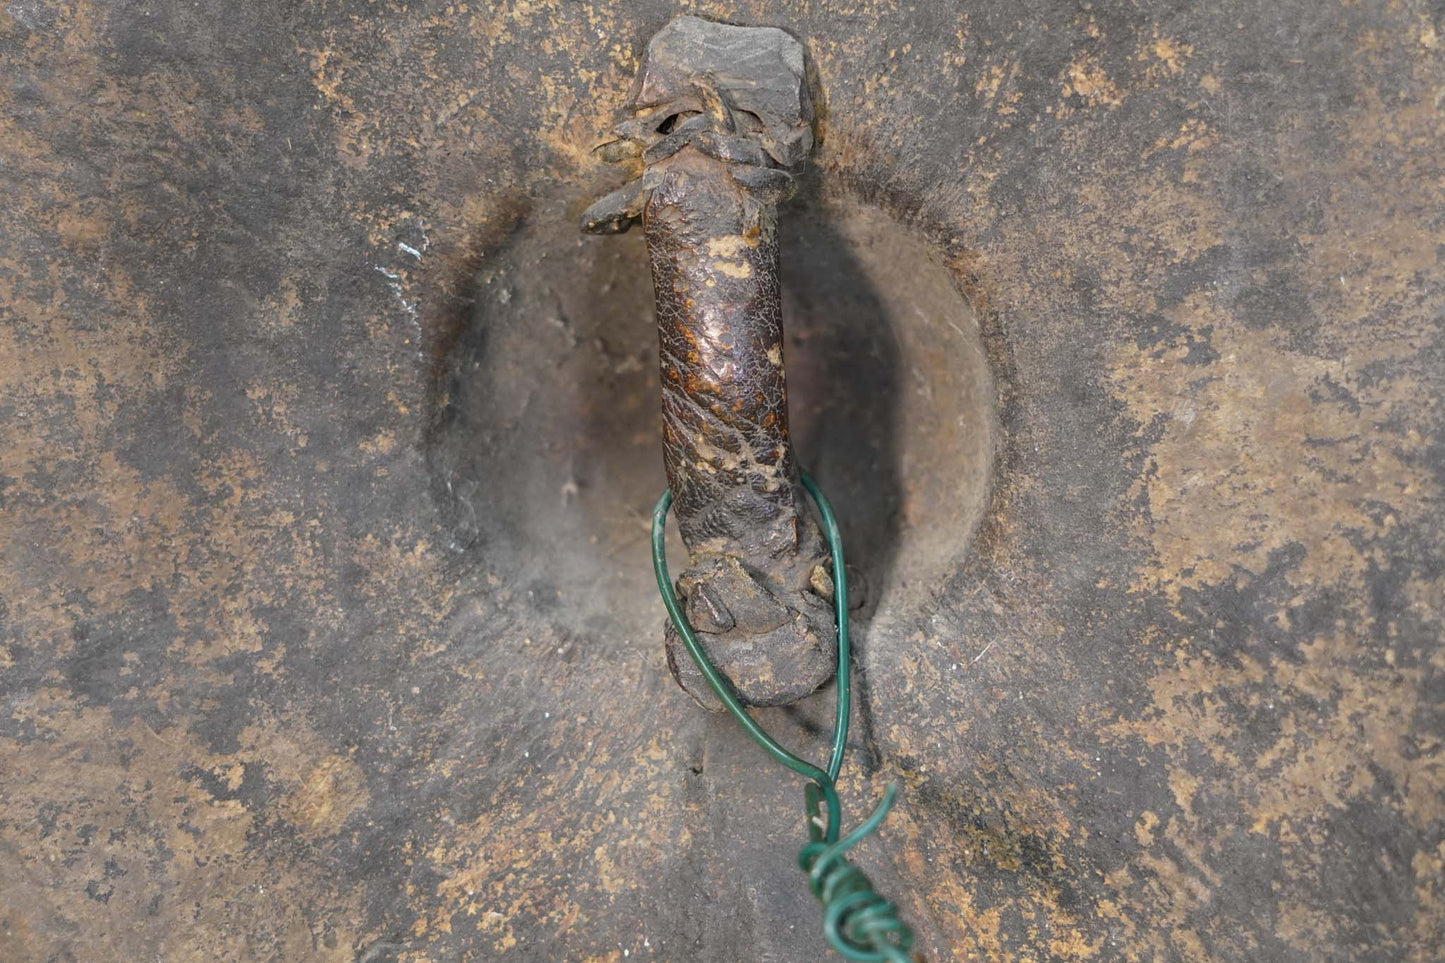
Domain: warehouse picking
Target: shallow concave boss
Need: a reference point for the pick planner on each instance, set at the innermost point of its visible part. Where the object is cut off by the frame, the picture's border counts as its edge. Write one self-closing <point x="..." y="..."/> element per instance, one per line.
<point x="721" y="125"/>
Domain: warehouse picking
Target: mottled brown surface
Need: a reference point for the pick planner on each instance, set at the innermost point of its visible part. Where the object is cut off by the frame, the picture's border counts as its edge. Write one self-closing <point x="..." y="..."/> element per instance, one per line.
<point x="267" y="695"/>
<point x="756" y="588"/>
<point x="721" y="126"/>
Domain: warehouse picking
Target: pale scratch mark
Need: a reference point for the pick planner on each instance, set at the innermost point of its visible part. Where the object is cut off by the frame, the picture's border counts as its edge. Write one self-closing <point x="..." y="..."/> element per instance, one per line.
<point x="393" y="281"/>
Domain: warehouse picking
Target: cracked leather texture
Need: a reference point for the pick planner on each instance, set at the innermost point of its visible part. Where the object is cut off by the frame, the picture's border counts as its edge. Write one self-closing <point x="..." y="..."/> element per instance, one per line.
<point x="754" y="548"/>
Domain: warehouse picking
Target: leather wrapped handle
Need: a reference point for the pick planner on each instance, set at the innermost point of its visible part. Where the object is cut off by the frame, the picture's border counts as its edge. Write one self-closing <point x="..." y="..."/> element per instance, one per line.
<point x="721" y="124"/>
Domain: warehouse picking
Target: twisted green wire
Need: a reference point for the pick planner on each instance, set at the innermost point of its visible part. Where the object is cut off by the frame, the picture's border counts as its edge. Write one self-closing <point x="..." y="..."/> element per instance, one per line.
<point x="857" y="922"/>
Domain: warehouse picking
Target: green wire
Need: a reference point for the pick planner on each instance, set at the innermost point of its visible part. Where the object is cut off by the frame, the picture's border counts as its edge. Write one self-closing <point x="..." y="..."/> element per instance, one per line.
<point x="843" y="699"/>
<point x="857" y="922"/>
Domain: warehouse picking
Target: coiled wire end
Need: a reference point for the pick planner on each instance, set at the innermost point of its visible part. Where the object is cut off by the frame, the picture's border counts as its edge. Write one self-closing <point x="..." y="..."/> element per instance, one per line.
<point x="857" y="922"/>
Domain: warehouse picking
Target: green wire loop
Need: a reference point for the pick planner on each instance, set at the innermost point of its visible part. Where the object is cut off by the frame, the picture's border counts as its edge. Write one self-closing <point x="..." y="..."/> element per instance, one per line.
<point x="857" y="922"/>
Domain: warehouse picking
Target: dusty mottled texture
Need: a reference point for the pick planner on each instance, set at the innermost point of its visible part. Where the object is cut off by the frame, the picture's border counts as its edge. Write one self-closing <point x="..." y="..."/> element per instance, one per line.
<point x="271" y="692"/>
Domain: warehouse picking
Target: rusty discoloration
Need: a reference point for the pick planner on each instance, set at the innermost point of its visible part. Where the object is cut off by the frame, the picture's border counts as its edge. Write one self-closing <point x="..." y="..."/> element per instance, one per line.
<point x="1203" y="246"/>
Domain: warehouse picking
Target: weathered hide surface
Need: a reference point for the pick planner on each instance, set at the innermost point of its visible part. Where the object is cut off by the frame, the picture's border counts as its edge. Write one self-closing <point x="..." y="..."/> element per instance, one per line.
<point x="286" y="672"/>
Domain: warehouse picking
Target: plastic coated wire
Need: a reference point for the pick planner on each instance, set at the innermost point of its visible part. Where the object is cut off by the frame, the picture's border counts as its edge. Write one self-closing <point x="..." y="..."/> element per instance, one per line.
<point x="857" y="922"/>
